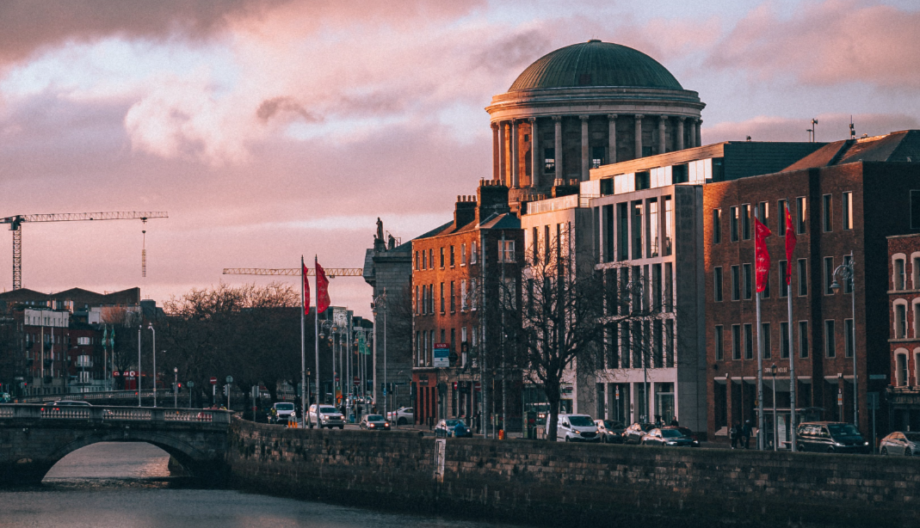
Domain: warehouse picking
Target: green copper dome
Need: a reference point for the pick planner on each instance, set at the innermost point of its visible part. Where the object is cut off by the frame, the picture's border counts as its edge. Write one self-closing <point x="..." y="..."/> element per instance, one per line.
<point x="595" y="63"/>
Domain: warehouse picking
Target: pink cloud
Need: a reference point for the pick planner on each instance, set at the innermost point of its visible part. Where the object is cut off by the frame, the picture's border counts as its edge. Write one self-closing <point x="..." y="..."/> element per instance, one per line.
<point x="825" y="43"/>
<point x="831" y="127"/>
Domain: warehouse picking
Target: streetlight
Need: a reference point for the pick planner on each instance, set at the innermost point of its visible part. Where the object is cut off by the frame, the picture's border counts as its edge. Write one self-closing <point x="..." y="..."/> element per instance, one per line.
<point x="329" y="325"/>
<point x="176" y="387"/>
<point x="775" y="431"/>
<point x="380" y="302"/>
<point x="154" y="349"/>
<point x="847" y="272"/>
<point x="139" y="328"/>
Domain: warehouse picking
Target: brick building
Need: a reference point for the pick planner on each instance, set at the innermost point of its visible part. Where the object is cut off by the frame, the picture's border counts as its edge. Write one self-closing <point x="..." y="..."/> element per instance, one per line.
<point x="454" y="290"/>
<point x="845" y="197"/>
<point x="903" y="394"/>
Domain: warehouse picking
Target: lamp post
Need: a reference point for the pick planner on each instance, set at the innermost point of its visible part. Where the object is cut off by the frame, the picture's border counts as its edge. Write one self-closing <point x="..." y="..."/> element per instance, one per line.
<point x="330" y="326"/>
<point x="154" y="350"/>
<point x="176" y="387"/>
<point x="775" y="430"/>
<point x="847" y="272"/>
<point x="139" y="327"/>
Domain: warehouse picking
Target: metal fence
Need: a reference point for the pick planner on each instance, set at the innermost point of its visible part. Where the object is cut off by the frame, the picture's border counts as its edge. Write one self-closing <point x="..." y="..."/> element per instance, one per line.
<point x="112" y="414"/>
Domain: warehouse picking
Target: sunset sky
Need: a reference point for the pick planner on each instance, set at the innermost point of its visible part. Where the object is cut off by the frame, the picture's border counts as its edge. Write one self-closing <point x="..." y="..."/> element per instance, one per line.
<point x="274" y="129"/>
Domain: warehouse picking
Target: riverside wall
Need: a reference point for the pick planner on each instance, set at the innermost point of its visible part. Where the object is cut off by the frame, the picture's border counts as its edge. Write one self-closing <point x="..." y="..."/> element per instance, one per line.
<point x="540" y="483"/>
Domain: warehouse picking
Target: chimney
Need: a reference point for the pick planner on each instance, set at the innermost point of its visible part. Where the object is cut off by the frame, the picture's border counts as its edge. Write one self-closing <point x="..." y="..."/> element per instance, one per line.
<point x="492" y="197"/>
<point x="464" y="211"/>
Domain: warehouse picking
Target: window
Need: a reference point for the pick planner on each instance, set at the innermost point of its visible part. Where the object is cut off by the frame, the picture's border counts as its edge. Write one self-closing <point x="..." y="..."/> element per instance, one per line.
<point x="826" y="213"/>
<point x="802" y="277"/>
<point x="916" y="319"/>
<point x="418" y="301"/>
<point x="424" y="260"/>
<point x="748" y="341"/>
<point x="746" y="222"/>
<point x="473" y="294"/>
<point x="622" y="231"/>
<point x="652" y="234"/>
<point x="784" y="340"/>
<point x="506" y="251"/>
<point x="765" y="340"/>
<point x="783" y="287"/>
<point x="442" y="299"/>
<point x="803" y="339"/>
<point x="849" y="338"/>
<point x="720" y="344"/>
<point x="463" y="299"/>
<point x="83" y="341"/>
<point x="900" y="321"/>
<point x="717" y="284"/>
<point x="549" y="160"/>
<point x="736" y="341"/>
<point x="463" y="254"/>
<point x="830" y="343"/>
<point x="765" y="294"/>
<point x="763" y="213"/>
<point x="416" y="260"/>
<point x="637" y="230"/>
<point x="442" y="257"/>
<point x="847" y="210"/>
<point x="733" y="219"/>
<point x="736" y="284"/>
<point x="668" y="226"/>
<point x="431" y="258"/>
<point x="848" y="284"/>
<point x="901" y="371"/>
<point x="473" y="254"/>
<point x="781" y="210"/>
<point x="899" y="274"/>
<point x="716" y="226"/>
<point x="452" y="256"/>
<point x="453" y="302"/>
<point x="800" y="215"/>
<point x="828" y="275"/>
<point x="748" y="282"/>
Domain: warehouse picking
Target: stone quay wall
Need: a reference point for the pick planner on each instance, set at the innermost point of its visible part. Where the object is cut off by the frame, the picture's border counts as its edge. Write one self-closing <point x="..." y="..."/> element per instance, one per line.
<point x="541" y="483"/>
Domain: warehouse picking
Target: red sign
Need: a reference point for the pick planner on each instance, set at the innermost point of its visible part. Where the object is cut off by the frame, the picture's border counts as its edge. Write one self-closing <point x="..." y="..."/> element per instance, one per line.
<point x="478" y="386"/>
<point x="441" y="345"/>
<point x="116" y="373"/>
<point x="213" y="380"/>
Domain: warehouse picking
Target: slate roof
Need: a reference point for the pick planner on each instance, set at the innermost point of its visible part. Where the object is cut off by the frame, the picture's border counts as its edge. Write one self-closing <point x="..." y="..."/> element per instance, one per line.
<point x="902" y="146"/>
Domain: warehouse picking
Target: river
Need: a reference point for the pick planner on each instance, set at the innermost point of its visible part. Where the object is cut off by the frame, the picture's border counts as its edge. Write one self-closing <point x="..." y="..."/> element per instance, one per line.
<point x="126" y="485"/>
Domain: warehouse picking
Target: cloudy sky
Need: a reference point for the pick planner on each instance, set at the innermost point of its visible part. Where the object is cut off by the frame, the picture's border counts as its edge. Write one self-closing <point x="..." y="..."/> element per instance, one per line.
<point x="274" y="129"/>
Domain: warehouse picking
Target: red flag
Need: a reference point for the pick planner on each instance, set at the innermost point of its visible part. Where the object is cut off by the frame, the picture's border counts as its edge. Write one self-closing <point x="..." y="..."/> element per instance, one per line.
<point x="322" y="289"/>
<point x="306" y="290"/>
<point x="761" y="255"/>
<point x="790" y="245"/>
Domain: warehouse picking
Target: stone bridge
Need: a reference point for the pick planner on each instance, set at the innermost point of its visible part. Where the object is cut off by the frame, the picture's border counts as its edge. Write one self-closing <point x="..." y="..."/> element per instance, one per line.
<point x="35" y="437"/>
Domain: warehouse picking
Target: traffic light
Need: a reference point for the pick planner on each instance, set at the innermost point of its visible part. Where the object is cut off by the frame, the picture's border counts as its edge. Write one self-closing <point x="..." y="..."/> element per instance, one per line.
<point x="226" y="390"/>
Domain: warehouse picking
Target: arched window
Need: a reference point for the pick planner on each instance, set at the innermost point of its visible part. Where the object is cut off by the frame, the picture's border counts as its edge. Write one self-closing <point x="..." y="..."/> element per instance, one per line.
<point x="901" y="373"/>
<point x="900" y="319"/>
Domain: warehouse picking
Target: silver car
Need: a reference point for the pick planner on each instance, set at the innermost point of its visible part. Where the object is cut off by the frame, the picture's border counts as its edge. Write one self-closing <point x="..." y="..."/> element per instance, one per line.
<point x="905" y="443"/>
<point x="326" y="416"/>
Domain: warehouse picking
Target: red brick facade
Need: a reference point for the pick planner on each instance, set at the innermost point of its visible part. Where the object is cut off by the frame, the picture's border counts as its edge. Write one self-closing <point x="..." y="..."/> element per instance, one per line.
<point x="904" y="331"/>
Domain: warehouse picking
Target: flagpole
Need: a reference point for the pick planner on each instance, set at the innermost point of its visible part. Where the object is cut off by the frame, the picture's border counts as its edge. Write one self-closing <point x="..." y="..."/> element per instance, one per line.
<point x="760" y="430"/>
<point x="792" y="382"/>
<point x="316" y="332"/>
<point x="304" y="392"/>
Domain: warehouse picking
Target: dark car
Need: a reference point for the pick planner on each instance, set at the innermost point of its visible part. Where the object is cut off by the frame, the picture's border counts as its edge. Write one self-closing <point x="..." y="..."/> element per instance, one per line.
<point x="611" y="432"/>
<point x="689" y="434"/>
<point x="666" y="436"/>
<point x="634" y="433"/>
<point x="830" y="437"/>
<point x="452" y="427"/>
<point x="374" y="422"/>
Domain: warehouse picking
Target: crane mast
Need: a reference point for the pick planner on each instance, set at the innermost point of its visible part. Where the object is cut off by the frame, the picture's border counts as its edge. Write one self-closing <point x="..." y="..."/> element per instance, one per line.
<point x="17" y="221"/>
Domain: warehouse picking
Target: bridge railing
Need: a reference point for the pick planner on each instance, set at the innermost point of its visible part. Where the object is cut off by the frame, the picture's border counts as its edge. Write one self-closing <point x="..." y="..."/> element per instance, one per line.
<point x="112" y="414"/>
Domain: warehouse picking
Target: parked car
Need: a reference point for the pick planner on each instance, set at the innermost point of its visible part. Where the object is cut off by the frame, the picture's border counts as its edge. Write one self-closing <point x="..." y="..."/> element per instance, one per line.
<point x="5" y="397"/>
<point x="634" y="433"/>
<point x="575" y="428"/>
<point x="611" y="432"/>
<point x="71" y="403"/>
<point x="283" y="411"/>
<point x="452" y="427"/>
<point x="690" y="434"/>
<point x="326" y="416"/>
<point x="374" y="422"/>
<point x="666" y="436"/>
<point x="402" y="416"/>
<point x="830" y="437"/>
<point x="905" y="443"/>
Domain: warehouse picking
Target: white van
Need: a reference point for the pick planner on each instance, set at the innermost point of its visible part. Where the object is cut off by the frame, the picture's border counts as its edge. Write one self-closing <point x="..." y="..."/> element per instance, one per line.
<point x="575" y="428"/>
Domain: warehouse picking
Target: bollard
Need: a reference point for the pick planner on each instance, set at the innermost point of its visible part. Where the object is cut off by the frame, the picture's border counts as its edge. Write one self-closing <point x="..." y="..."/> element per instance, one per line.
<point x="501" y="434"/>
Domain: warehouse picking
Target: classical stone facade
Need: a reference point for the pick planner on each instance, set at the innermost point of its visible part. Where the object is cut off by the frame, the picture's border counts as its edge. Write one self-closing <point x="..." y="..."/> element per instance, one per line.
<point x="583" y="106"/>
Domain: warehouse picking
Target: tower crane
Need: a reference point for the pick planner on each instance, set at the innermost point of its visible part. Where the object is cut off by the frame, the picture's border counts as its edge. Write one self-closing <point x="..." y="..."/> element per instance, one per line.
<point x="295" y="272"/>
<point x="17" y="221"/>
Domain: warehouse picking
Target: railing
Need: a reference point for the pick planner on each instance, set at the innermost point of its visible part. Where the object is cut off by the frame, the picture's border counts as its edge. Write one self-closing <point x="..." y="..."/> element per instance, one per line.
<point x="112" y="414"/>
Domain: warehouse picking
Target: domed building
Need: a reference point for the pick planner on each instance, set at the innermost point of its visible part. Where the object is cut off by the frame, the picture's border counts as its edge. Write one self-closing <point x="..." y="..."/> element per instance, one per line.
<point x="583" y="106"/>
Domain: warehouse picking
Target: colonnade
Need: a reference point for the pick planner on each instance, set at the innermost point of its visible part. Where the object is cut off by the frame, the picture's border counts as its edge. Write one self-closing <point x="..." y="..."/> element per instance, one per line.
<point x="506" y="156"/>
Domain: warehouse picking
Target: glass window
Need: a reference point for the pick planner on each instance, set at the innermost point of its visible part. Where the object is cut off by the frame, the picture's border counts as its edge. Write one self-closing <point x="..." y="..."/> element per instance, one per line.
<point x="784" y="340"/>
<point x="826" y="216"/>
<point x="652" y="244"/>
<point x="783" y="287"/>
<point x="463" y="254"/>
<point x="473" y="254"/>
<point x="803" y="339"/>
<point x="828" y="275"/>
<point x="746" y="222"/>
<point x="453" y="305"/>
<point x="849" y="338"/>
<point x="847" y="210"/>
<point x="900" y="321"/>
<point x="720" y="344"/>
<point x="763" y="213"/>
<point x="549" y="160"/>
<point x="716" y="226"/>
<point x="736" y="283"/>
<point x="781" y="210"/>
<point x="668" y="226"/>
<point x="637" y="230"/>
<point x="899" y="274"/>
<point x="800" y="212"/>
<point x="748" y="282"/>
<point x="901" y="370"/>
<point x="717" y="284"/>
<point x="452" y="256"/>
<point x="733" y="219"/>
<point x="442" y="257"/>
<point x="802" y="277"/>
<point x="736" y="341"/>
<point x="830" y="343"/>
<point x="748" y="341"/>
<point x="442" y="298"/>
<point x="416" y="260"/>
<point x="847" y="284"/>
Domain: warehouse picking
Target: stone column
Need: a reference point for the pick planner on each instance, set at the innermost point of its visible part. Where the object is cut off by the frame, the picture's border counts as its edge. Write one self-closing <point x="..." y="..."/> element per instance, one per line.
<point x="509" y="156"/>
<point x="699" y="138"/>
<point x="639" y="135"/>
<point x="662" y="134"/>
<point x="515" y="156"/>
<point x="680" y="132"/>
<point x="502" y="153"/>
<point x="558" y="147"/>
<point x="496" y="153"/>
<point x="536" y="168"/>
<point x="585" y="148"/>
<point x="612" y="138"/>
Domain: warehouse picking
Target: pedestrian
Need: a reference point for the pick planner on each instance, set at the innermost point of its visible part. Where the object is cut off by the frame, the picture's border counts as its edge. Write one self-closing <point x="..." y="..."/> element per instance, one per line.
<point x="734" y="433"/>
<point x="674" y="422"/>
<point x="746" y="433"/>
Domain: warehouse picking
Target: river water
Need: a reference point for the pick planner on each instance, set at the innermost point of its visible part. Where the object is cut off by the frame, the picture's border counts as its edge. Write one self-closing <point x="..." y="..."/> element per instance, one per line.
<point x="126" y="485"/>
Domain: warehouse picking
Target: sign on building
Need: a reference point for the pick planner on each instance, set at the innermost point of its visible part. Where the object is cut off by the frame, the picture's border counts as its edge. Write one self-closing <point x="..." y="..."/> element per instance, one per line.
<point x="441" y="355"/>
